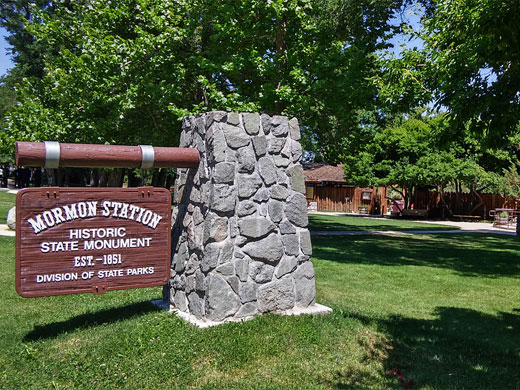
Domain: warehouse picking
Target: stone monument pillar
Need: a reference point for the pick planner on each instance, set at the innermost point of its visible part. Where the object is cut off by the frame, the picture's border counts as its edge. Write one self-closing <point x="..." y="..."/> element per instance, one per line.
<point x="239" y="234"/>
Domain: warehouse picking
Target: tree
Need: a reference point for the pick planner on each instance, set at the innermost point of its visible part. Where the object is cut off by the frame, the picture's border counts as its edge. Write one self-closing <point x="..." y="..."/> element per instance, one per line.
<point x="510" y="183"/>
<point x="127" y="71"/>
<point x="409" y="155"/>
<point x="7" y="95"/>
<point x="473" y="49"/>
<point x="27" y="54"/>
<point x="397" y="156"/>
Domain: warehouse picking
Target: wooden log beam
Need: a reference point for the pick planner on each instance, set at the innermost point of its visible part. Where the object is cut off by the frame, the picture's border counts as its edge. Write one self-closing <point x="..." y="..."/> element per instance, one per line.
<point x="53" y="155"/>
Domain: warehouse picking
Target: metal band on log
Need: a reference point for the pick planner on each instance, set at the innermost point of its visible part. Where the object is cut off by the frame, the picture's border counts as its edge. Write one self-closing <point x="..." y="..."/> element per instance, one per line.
<point x="147" y="156"/>
<point x="54" y="155"/>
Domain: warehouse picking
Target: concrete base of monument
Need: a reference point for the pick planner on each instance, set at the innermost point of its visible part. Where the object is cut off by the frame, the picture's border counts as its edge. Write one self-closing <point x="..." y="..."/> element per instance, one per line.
<point x="315" y="309"/>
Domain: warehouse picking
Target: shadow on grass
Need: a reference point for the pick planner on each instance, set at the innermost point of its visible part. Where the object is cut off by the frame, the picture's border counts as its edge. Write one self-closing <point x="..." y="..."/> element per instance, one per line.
<point x="461" y="348"/>
<point x="467" y="254"/>
<point x="87" y="320"/>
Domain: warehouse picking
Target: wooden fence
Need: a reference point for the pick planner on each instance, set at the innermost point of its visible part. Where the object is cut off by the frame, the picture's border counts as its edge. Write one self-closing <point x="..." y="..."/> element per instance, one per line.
<point x="333" y="198"/>
<point x="464" y="205"/>
<point x="373" y="201"/>
<point x="350" y="199"/>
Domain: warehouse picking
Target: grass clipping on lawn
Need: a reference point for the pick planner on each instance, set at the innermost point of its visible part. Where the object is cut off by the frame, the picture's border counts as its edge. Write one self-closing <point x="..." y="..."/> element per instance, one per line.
<point x="443" y="309"/>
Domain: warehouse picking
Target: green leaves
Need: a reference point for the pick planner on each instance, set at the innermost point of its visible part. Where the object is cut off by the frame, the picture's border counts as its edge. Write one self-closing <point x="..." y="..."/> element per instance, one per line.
<point x="474" y="48"/>
<point x="409" y="154"/>
<point x="112" y="75"/>
<point x="126" y="71"/>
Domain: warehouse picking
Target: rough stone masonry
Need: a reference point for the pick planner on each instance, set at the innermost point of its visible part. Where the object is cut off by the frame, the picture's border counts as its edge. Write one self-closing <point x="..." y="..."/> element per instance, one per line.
<point x="240" y="237"/>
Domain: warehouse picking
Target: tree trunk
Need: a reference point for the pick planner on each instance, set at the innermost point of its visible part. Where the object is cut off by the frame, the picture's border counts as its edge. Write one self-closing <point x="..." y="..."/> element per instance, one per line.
<point x="155" y="177"/>
<point x="169" y="180"/>
<point x="94" y="178"/>
<point x="116" y="177"/>
<point x="406" y="199"/>
<point x="479" y="204"/>
<point x="281" y="48"/>
<point x="51" y="177"/>
<point x="445" y="206"/>
<point x="205" y="34"/>
<point x="408" y="192"/>
<point x="161" y="178"/>
<point x="75" y="177"/>
<point x="133" y="180"/>
<point x="103" y="181"/>
<point x="58" y="177"/>
<point x="458" y="193"/>
<point x="403" y="196"/>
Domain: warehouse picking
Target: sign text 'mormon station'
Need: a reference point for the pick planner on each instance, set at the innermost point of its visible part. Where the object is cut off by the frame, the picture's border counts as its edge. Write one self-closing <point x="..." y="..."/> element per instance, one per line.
<point x="90" y="209"/>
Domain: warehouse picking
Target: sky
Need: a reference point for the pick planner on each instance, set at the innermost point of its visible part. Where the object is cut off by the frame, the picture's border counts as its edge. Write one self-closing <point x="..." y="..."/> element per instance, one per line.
<point x="412" y="17"/>
<point x="5" y="60"/>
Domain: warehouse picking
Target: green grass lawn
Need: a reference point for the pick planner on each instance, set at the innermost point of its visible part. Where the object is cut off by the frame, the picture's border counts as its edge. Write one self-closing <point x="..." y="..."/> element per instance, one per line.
<point x="444" y="309"/>
<point x="321" y="222"/>
<point x="6" y="202"/>
<point x="448" y="305"/>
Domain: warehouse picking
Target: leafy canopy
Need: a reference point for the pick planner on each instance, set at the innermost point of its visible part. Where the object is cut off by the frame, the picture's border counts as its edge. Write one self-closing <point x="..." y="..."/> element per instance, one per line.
<point x="409" y="155"/>
<point x="127" y="71"/>
<point x="474" y="51"/>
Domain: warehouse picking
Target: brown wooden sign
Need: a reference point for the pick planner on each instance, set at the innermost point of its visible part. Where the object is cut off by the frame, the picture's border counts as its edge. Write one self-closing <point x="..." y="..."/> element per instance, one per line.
<point x="77" y="240"/>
